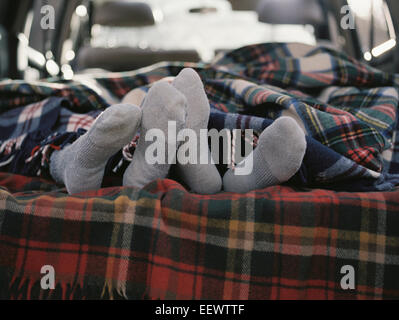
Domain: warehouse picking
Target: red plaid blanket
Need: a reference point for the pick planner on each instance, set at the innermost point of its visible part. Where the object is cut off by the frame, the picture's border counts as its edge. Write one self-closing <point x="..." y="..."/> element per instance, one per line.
<point x="165" y="243"/>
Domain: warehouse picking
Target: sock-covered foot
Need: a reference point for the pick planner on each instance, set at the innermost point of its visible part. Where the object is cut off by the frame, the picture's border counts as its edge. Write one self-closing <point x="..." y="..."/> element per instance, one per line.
<point x="200" y="178"/>
<point x="278" y="156"/>
<point x="163" y="105"/>
<point x="80" y="166"/>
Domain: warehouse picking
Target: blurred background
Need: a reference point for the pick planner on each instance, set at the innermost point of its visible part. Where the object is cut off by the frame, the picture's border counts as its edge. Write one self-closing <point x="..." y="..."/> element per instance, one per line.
<point x="92" y="36"/>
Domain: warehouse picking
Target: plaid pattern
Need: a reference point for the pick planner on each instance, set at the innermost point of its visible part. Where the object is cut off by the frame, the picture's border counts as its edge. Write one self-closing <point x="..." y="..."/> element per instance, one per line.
<point x="163" y="242"/>
<point x="348" y="109"/>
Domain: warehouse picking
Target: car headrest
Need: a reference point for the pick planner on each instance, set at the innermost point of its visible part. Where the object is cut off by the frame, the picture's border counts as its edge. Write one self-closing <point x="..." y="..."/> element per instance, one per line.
<point x="127" y="58"/>
<point x="124" y="14"/>
<point x="290" y="12"/>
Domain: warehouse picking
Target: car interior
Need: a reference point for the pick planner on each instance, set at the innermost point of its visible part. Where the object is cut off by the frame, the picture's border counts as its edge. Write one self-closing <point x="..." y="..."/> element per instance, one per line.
<point x="127" y="35"/>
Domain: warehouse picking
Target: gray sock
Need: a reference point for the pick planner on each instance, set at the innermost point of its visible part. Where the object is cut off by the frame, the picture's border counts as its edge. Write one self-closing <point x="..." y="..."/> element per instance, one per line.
<point x="163" y="104"/>
<point x="80" y="166"/>
<point x="200" y="178"/>
<point x="278" y="156"/>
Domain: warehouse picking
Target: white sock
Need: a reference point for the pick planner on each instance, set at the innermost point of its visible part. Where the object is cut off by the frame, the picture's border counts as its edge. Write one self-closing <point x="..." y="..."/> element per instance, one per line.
<point x="80" y="166"/>
<point x="278" y="156"/>
<point x="162" y="104"/>
<point x="200" y="178"/>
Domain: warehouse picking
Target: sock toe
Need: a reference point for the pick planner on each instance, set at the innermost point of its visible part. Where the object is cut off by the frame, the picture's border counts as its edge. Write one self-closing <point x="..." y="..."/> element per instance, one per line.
<point x="189" y="83"/>
<point x="187" y="78"/>
<point x="291" y="135"/>
<point x="287" y="126"/>
<point x="116" y="125"/>
<point x="165" y="92"/>
<point x="174" y="102"/>
<point x="283" y="146"/>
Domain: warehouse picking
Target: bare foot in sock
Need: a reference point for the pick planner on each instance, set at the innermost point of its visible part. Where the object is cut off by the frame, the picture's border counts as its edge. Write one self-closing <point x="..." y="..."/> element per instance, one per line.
<point x="80" y="166"/>
<point x="163" y="105"/>
<point x="278" y="156"/>
<point x="200" y="178"/>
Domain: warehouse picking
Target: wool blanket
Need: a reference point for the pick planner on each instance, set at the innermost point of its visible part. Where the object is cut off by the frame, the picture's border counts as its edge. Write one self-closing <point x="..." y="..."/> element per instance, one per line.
<point x="287" y="241"/>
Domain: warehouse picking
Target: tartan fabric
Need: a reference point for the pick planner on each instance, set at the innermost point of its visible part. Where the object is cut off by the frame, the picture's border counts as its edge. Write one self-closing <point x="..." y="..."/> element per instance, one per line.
<point x="347" y="109"/>
<point x="163" y="242"/>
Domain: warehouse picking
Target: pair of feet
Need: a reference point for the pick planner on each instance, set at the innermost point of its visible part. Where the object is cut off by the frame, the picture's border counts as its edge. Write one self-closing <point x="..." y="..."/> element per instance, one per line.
<point x="80" y="166"/>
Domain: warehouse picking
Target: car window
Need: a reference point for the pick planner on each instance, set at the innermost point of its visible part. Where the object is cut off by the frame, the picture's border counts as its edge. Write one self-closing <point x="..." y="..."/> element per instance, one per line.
<point x="374" y="27"/>
<point x="180" y="24"/>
